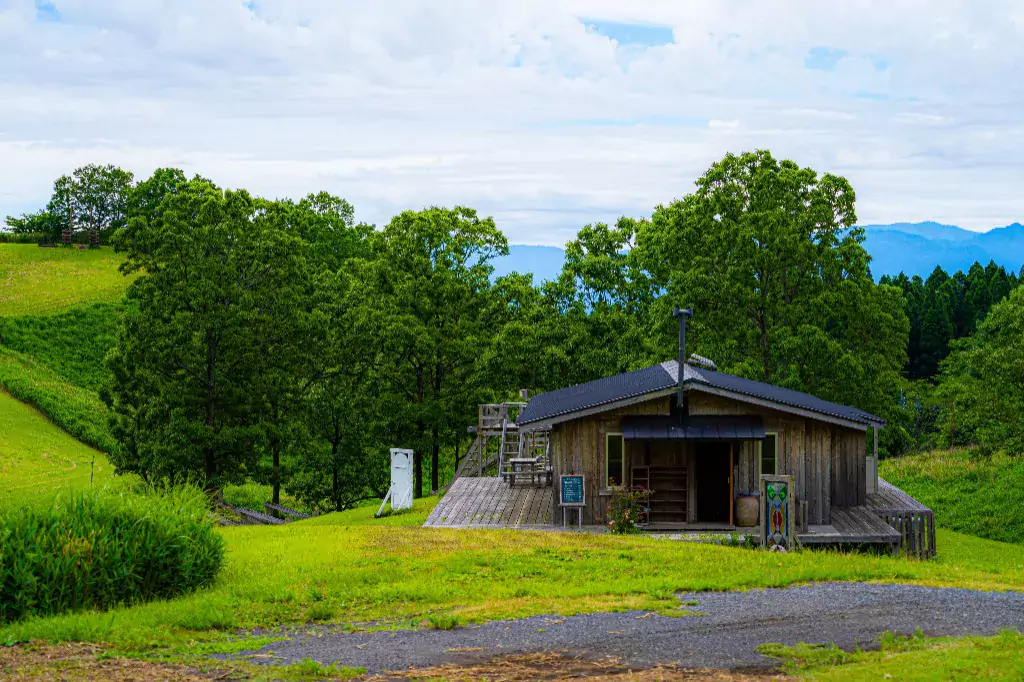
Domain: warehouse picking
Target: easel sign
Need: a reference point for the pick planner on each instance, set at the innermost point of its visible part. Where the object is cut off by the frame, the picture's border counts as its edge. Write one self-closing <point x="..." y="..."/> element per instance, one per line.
<point x="572" y="495"/>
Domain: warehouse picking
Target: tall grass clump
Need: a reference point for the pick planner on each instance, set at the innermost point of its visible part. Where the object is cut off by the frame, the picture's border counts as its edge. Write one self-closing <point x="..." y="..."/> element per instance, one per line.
<point x="99" y="549"/>
<point x="73" y="344"/>
<point x="77" y="410"/>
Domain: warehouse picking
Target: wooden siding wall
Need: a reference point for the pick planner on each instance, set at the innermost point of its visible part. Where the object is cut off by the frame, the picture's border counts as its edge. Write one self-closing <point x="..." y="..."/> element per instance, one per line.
<point x="577" y="447"/>
<point x="827" y="461"/>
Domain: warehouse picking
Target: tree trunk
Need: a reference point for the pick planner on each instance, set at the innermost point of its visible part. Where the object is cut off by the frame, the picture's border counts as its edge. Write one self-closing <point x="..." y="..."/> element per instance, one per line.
<point x="275" y="447"/>
<point x="335" y="493"/>
<point x="435" y="445"/>
<point x="277" y="472"/>
<point x="417" y="461"/>
<point x="417" y="455"/>
<point x="435" y="449"/>
<point x="211" y="367"/>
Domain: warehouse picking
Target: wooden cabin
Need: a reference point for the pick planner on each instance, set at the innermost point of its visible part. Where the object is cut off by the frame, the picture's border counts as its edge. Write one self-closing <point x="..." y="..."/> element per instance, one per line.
<point x="699" y="457"/>
<point x="700" y="439"/>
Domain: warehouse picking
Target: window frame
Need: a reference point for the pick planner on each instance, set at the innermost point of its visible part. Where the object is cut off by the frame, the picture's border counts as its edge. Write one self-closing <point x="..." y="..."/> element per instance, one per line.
<point x="760" y="454"/>
<point x="622" y="473"/>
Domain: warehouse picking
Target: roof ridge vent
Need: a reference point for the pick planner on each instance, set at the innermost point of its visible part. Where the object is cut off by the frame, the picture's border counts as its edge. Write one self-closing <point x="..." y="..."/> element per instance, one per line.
<point x="702" y="361"/>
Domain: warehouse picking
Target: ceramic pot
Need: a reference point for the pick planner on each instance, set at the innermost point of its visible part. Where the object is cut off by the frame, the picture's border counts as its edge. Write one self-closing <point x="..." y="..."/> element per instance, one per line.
<point x="746" y="511"/>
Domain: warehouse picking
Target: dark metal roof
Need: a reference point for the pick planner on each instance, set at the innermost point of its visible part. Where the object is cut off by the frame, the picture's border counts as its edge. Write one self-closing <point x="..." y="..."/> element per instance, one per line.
<point x="594" y="393"/>
<point x="778" y="395"/>
<point x="660" y="377"/>
<point x="696" y="427"/>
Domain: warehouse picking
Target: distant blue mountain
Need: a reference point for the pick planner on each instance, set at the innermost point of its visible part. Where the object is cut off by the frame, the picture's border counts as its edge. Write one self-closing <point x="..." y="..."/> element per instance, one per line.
<point x="917" y="248"/>
<point x="929" y="230"/>
<point x="913" y="248"/>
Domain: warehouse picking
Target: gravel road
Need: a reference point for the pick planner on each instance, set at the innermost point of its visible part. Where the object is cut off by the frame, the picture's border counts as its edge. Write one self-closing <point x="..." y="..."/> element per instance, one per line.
<point x="733" y="624"/>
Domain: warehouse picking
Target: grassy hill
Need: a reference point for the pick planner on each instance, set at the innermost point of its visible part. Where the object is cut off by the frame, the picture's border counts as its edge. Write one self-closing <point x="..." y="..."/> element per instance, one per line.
<point x="78" y="411"/>
<point x="72" y="343"/>
<point x="35" y="281"/>
<point x="969" y="493"/>
<point x="37" y="459"/>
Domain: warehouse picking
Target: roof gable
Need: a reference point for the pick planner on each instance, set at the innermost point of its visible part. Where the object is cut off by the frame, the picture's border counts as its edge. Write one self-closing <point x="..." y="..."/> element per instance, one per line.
<point x="610" y="391"/>
<point x="604" y="391"/>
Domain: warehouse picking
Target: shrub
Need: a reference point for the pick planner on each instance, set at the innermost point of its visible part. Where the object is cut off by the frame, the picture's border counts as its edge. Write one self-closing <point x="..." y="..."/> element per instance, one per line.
<point x="22" y="238"/>
<point x="443" y="622"/>
<point x="99" y="549"/>
<point x="248" y="495"/>
<point x="627" y="509"/>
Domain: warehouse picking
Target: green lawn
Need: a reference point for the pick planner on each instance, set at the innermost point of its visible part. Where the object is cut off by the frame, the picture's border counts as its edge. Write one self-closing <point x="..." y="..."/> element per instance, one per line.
<point x="36" y="281"/>
<point x="970" y="493"/>
<point x="351" y="568"/>
<point x="911" y="659"/>
<point x="37" y="459"/>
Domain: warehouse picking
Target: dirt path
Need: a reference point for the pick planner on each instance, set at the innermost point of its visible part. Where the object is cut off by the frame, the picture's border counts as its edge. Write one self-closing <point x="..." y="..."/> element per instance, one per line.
<point x="733" y="624"/>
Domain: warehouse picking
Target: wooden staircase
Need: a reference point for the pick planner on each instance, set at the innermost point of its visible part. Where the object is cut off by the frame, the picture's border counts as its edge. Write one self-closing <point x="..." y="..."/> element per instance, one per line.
<point x="499" y="439"/>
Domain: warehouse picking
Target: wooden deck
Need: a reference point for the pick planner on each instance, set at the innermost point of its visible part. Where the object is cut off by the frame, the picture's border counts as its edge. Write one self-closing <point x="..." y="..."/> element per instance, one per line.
<point x="852" y="525"/>
<point x="914" y="522"/>
<point x="890" y="517"/>
<point x="487" y="502"/>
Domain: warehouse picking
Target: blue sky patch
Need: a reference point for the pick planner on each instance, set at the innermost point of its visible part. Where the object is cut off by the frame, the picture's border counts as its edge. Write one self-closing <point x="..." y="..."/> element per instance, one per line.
<point x="47" y="11"/>
<point x="648" y="35"/>
<point x="823" y="58"/>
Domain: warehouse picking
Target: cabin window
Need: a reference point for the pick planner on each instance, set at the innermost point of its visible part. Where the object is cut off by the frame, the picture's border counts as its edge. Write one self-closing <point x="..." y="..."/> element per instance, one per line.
<point x="614" y="459"/>
<point x="770" y="454"/>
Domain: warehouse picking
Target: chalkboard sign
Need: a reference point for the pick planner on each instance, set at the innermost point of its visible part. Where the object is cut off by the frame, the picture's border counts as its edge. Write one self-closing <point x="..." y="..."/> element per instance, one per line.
<point x="572" y="491"/>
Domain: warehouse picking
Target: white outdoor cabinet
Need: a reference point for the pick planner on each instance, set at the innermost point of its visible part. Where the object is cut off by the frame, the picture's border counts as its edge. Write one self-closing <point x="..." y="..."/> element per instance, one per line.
<point x="401" y="479"/>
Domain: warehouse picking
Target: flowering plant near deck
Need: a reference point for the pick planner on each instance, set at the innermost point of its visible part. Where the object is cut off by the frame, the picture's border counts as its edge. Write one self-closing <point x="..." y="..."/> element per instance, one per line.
<point x="627" y="509"/>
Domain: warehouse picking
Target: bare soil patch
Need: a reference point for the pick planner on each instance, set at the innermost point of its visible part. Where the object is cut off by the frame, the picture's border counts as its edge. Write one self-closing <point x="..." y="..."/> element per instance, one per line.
<point x="567" y="666"/>
<point x="73" y="662"/>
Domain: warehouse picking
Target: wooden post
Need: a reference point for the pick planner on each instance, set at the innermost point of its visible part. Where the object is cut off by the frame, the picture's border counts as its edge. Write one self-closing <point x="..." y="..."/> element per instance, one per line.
<point x="731" y="493"/>
<point x="872" y="466"/>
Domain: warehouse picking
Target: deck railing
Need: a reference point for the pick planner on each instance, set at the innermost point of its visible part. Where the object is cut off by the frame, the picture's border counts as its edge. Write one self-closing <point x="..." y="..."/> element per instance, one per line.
<point x="914" y="521"/>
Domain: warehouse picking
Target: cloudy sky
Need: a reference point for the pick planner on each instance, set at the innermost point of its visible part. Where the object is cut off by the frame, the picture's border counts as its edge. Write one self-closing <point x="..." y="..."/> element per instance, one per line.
<point x="546" y="114"/>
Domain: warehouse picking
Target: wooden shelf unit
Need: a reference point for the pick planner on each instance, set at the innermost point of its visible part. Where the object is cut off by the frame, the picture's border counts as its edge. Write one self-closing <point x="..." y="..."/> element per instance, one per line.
<point x="669" y="484"/>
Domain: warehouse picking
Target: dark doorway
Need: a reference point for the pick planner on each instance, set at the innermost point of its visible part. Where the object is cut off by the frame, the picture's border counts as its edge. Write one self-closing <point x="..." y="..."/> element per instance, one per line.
<point x="714" y="494"/>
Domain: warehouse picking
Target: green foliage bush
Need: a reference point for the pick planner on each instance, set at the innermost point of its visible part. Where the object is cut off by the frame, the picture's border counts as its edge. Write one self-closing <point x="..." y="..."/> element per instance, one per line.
<point x="77" y="410"/>
<point x="72" y="344"/>
<point x="627" y="509"/>
<point x="27" y="238"/>
<point x="968" y="491"/>
<point x="99" y="549"/>
<point x="248" y="495"/>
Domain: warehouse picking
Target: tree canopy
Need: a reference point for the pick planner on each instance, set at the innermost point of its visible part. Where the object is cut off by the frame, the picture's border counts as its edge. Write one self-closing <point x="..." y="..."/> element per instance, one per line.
<point x="283" y="341"/>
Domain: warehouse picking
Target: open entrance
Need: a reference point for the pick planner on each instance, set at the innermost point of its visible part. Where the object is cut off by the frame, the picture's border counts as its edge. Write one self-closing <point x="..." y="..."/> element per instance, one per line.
<point x="714" y="482"/>
<point x="661" y="467"/>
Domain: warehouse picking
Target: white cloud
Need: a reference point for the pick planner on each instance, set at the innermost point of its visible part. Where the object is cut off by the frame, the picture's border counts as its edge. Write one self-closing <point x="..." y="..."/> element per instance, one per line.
<point x="400" y="104"/>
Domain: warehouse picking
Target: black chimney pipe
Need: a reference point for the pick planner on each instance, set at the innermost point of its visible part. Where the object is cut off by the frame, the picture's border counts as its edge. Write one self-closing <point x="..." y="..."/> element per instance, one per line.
<point x="682" y="315"/>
